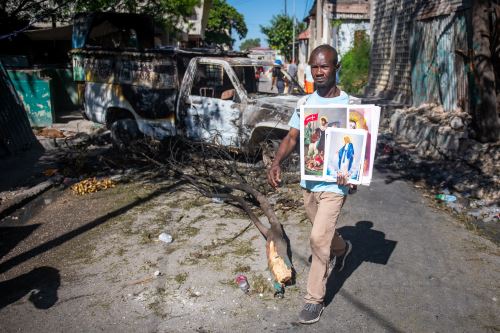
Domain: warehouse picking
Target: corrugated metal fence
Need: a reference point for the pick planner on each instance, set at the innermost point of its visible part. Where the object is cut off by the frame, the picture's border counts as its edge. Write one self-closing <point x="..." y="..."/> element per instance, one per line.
<point x="439" y="70"/>
<point x="15" y="130"/>
<point x="418" y="49"/>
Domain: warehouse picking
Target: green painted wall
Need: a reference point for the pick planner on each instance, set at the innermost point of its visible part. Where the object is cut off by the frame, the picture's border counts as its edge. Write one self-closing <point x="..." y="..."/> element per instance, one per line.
<point x="35" y="93"/>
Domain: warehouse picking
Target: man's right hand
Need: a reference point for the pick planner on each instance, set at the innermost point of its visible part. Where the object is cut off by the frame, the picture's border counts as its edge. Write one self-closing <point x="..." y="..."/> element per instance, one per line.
<point x="285" y="148"/>
<point x="274" y="175"/>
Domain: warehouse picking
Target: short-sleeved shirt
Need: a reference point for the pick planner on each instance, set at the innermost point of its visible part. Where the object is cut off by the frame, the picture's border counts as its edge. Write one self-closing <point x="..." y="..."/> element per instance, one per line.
<point x="315" y="99"/>
<point x="292" y="70"/>
<point x="278" y="73"/>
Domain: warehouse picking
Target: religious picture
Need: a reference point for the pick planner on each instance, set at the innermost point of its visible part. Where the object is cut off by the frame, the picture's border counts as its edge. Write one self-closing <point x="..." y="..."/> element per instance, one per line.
<point x="366" y="117"/>
<point x="345" y="153"/>
<point x="314" y="121"/>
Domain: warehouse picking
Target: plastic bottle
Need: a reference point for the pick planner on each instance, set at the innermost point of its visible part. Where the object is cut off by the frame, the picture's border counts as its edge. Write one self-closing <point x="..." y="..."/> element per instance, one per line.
<point x="218" y="200"/>
<point x="242" y="282"/>
<point x="446" y="197"/>
<point x="166" y="238"/>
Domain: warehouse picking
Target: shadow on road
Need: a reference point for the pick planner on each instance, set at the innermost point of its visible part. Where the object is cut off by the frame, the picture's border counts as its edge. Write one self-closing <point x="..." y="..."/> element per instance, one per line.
<point x="11" y="236"/>
<point x="368" y="245"/>
<point x="41" y="283"/>
<point x="20" y="258"/>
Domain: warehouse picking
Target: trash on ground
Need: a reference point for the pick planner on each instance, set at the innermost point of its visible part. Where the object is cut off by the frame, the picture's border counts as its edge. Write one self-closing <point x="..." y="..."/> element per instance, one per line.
<point x="51" y="133"/>
<point x="157" y="273"/>
<point x="69" y="181"/>
<point x="446" y="197"/>
<point x="50" y="172"/>
<point x="388" y="149"/>
<point x="91" y="185"/>
<point x="218" y="200"/>
<point x="242" y="282"/>
<point x="165" y="238"/>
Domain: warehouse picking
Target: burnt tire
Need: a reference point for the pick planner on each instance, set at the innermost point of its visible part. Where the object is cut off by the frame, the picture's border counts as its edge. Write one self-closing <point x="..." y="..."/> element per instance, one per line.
<point x="124" y="132"/>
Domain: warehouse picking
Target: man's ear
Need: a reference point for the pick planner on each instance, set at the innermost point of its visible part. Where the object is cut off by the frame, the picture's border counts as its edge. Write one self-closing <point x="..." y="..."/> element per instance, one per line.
<point x="337" y="66"/>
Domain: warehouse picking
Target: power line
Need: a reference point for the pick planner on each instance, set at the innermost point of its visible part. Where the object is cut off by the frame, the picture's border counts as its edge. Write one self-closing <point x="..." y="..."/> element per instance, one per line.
<point x="305" y="9"/>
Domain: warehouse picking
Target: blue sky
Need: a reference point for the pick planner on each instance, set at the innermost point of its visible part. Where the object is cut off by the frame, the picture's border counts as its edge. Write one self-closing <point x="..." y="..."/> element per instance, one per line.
<point x="260" y="12"/>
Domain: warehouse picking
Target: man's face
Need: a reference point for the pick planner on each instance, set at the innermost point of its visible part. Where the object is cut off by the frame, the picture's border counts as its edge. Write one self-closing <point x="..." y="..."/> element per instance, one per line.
<point x="323" y="69"/>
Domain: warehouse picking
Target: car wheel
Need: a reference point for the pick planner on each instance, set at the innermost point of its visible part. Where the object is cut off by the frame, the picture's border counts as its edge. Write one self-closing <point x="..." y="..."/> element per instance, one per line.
<point x="124" y="132"/>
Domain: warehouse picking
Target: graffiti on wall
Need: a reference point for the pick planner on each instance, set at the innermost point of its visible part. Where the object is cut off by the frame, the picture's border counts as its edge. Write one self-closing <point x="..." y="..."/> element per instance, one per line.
<point x="439" y="72"/>
<point x="154" y="72"/>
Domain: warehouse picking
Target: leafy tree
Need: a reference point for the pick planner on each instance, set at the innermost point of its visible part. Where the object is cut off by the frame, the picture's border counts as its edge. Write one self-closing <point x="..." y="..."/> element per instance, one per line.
<point x="169" y="13"/>
<point x="249" y="44"/>
<point x="280" y="33"/>
<point x="15" y="14"/>
<point x="222" y="19"/>
<point x="355" y="65"/>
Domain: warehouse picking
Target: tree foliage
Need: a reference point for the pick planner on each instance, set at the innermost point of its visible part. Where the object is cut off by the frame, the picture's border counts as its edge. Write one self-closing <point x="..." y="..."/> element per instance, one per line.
<point x="16" y="13"/>
<point x="280" y="33"/>
<point x="222" y="19"/>
<point x="249" y="44"/>
<point x="355" y="66"/>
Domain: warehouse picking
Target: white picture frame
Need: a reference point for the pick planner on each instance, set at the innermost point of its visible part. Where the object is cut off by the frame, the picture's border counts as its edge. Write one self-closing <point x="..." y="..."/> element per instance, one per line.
<point x="313" y="136"/>
<point x="345" y="152"/>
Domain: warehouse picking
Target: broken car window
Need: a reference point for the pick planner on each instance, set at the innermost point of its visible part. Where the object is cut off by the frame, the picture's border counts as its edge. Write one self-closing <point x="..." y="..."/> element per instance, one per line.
<point x="212" y="81"/>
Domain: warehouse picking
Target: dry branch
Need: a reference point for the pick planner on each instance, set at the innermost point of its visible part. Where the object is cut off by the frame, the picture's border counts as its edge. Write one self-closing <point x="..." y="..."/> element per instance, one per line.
<point x="208" y="173"/>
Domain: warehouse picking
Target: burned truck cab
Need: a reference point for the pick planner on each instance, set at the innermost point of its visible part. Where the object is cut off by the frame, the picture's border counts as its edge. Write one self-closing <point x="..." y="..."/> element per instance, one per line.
<point x="224" y="101"/>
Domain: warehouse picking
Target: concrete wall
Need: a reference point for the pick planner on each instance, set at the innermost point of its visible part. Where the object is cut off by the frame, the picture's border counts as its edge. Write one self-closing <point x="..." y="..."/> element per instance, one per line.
<point x="414" y="58"/>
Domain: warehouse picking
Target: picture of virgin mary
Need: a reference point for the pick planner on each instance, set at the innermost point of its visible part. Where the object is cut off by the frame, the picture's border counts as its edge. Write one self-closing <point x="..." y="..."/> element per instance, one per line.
<point x="346" y="155"/>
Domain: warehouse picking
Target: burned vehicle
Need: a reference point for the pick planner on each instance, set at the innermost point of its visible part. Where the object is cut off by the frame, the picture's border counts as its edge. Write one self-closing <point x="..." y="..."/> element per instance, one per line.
<point x="202" y="94"/>
<point x="221" y="101"/>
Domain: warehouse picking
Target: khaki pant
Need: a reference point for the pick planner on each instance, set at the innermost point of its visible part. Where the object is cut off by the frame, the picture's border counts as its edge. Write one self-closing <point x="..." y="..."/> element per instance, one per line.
<point x="322" y="209"/>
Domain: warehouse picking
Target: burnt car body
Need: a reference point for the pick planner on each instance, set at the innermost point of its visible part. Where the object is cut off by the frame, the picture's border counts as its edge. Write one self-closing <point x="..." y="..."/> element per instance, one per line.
<point x="207" y="95"/>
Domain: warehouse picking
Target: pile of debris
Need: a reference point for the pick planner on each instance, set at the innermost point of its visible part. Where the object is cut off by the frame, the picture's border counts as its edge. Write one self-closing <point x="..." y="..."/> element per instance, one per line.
<point x="433" y="149"/>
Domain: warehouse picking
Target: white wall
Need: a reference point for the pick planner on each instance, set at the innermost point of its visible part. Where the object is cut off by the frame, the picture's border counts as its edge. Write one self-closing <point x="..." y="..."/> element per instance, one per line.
<point x="346" y="34"/>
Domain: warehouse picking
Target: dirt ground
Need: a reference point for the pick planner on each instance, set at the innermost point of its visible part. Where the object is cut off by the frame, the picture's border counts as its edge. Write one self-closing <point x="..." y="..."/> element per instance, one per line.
<point x="102" y="251"/>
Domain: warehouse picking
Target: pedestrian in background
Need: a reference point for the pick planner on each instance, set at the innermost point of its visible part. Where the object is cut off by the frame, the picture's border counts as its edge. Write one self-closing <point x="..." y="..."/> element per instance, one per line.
<point x="278" y="77"/>
<point x="292" y="70"/>
<point x="308" y="80"/>
<point x="322" y="200"/>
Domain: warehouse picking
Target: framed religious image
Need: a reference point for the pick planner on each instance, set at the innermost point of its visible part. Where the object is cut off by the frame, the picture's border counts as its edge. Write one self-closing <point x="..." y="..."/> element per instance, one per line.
<point x="366" y="117"/>
<point x="345" y="153"/>
<point x="314" y="121"/>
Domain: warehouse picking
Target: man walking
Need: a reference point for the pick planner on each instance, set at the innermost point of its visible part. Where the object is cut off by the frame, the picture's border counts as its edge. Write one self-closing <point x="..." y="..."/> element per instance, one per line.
<point x="322" y="200"/>
<point x="292" y="70"/>
<point x="278" y="77"/>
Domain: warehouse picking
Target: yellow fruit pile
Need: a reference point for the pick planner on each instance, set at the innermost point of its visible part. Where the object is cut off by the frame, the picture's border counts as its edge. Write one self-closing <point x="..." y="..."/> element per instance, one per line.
<point x="91" y="185"/>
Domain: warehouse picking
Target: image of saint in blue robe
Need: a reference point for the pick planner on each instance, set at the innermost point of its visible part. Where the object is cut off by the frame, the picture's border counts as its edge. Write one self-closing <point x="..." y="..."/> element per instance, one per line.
<point x="346" y="157"/>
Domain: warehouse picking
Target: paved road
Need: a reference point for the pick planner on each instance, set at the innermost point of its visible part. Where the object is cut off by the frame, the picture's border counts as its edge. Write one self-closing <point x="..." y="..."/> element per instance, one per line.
<point x="413" y="269"/>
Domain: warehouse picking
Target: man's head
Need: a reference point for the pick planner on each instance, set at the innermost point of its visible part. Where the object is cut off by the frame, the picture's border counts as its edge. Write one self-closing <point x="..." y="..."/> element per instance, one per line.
<point x="323" y="121"/>
<point x="323" y="61"/>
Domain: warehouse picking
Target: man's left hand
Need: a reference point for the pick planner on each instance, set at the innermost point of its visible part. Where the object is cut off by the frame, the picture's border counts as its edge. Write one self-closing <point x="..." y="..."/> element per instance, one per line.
<point x="342" y="178"/>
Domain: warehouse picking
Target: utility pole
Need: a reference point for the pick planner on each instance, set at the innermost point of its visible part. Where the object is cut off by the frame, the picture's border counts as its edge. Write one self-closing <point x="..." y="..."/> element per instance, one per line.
<point x="293" y="34"/>
<point x="285" y="8"/>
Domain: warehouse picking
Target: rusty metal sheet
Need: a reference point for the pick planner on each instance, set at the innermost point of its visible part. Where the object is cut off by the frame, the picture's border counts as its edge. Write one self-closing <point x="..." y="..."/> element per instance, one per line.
<point x="429" y="9"/>
<point x="149" y="70"/>
<point x="439" y="73"/>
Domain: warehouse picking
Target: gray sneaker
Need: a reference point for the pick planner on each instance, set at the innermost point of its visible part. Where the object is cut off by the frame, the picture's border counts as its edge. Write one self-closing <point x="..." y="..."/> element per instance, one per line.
<point x="340" y="260"/>
<point x="310" y="313"/>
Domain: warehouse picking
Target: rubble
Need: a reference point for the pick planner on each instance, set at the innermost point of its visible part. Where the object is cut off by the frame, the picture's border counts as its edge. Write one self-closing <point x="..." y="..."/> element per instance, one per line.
<point x="427" y="145"/>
